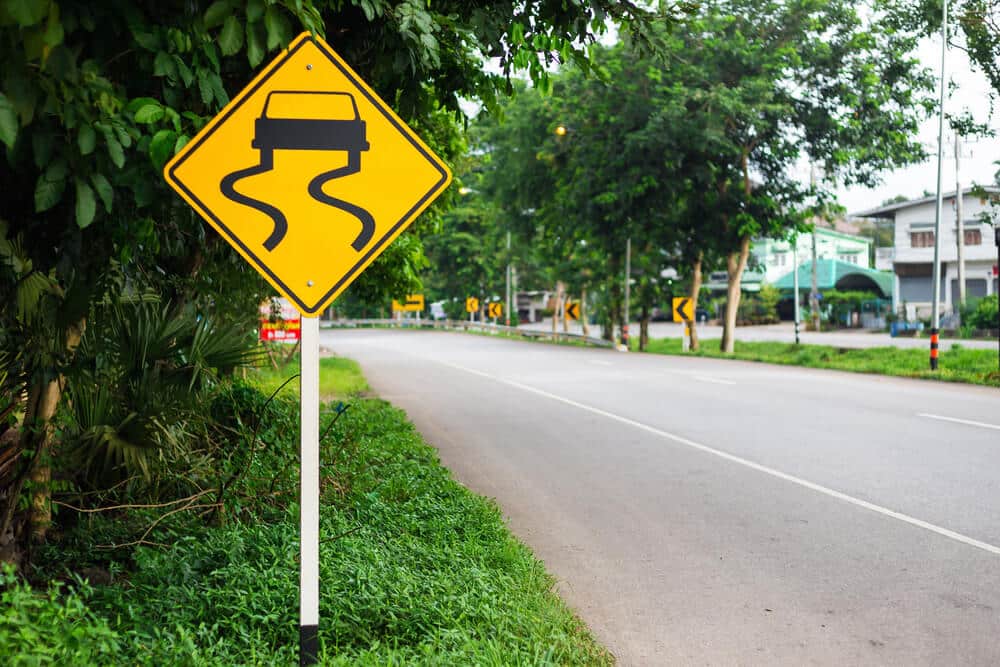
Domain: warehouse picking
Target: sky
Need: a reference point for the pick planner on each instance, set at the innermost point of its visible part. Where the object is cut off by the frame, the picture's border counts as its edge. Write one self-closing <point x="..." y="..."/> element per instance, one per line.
<point x="977" y="162"/>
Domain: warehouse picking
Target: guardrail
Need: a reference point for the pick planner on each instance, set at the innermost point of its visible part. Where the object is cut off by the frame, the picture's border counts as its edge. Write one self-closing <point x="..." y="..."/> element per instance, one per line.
<point x="464" y="325"/>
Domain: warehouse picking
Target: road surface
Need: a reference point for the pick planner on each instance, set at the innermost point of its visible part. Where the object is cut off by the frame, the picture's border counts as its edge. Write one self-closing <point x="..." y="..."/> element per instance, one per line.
<point x="711" y="512"/>
<point x="785" y="333"/>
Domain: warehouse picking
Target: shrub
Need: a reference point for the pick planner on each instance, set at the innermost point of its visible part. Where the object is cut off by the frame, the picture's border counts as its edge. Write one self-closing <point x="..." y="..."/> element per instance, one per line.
<point x="984" y="315"/>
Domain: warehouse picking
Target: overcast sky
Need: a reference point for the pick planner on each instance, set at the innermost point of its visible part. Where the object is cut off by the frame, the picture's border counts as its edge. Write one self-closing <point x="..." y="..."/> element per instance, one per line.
<point x="977" y="164"/>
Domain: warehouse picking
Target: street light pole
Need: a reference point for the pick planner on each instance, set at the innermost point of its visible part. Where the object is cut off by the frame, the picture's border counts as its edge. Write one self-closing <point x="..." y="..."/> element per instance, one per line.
<point x="936" y="274"/>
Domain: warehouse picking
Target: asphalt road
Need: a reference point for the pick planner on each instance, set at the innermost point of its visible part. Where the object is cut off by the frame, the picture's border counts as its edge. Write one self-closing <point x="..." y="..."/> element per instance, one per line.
<point x="709" y="512"/>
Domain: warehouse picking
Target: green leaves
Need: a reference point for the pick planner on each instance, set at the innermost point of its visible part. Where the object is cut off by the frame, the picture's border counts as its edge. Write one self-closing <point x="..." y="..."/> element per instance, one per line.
<point x="231" y="38"/>
<point x="8" y="122"/>
<point x="217" y="13"/>
<point x="86" y="205"/>
<point x="104" y="190"/>
<point x="149" y="113"/>
<point x="279" y="30"/>
<point x="161" y="148"/>
<point x="27" y="12"/>
<point x="86" y="139"/>
<point x="50" y="186"/>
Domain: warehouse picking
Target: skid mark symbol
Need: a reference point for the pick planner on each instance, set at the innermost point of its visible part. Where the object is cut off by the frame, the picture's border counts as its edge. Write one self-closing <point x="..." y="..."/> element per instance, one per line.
<point x="272" y="134"/>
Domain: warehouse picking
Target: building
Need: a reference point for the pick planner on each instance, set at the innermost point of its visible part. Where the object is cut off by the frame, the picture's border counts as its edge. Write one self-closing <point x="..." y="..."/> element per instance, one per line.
<point x="913" y="255"/>
<point x="772" y="259"/>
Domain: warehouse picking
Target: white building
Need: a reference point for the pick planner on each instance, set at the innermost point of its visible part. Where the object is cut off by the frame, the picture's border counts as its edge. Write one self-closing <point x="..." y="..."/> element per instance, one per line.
<point x="913" y="255"/>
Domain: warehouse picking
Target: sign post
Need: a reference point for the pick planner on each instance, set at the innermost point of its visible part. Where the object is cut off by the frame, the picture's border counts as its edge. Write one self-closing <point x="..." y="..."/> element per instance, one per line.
<point x="309" y="503"/>
<point x="310" y="176"/>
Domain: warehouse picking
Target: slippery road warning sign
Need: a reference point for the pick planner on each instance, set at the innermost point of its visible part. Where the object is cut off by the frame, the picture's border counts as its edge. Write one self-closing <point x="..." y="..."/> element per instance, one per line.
<point x="308" y="174"/>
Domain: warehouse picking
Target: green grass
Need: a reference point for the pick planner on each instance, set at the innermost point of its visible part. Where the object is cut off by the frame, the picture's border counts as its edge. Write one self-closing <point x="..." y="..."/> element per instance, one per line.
<point x="338" y="377"/>
<point x="956" y="364"/>
<point x="415" y="568"/>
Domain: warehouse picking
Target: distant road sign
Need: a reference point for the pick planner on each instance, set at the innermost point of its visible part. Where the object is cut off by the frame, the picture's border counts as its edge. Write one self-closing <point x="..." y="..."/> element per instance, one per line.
<point x="683" y="309"/>
<point x="494" y="309"/>
<point x="573" y="310"/>
<point x="303" y="173"/>
<point x="414" y="304"/>
<point x="472" y="305"/>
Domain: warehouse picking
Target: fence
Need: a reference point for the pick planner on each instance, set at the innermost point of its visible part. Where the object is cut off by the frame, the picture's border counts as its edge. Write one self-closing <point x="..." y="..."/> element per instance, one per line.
<point x="464" y="325"/>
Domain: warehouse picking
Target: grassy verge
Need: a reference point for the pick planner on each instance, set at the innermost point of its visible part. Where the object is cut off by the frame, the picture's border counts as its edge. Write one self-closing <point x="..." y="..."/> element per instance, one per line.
<point x="415" y="569"/>
<point x="338" y="377"/>
<point x="956" y="363"/>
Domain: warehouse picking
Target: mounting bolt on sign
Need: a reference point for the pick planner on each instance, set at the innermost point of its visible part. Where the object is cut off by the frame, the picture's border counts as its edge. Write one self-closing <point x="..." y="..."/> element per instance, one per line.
<point x="279" y="174"/>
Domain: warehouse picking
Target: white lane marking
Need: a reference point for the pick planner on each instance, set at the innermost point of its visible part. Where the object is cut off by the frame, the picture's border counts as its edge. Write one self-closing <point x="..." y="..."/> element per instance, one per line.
<point x="812" y="486"/>
<point x="705" y="378"/>
<point x="967" y="422"/>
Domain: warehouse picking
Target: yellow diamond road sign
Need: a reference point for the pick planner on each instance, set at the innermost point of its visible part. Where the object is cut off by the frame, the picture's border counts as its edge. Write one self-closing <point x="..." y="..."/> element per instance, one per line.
<point x="308" y="174"/>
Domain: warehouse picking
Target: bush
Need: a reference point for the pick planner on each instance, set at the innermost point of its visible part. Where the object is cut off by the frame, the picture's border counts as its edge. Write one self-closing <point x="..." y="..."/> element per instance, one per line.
<point x="52" y="627"/>
<point x="984" y="315"/>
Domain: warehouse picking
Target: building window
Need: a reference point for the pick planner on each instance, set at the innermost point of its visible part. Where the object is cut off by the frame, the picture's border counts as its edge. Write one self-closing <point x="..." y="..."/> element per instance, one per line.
<point x="921" y="239"/>
<point x="973" y="237"/>
<point x="851" y="259"/>
<point x="780" y="259"/>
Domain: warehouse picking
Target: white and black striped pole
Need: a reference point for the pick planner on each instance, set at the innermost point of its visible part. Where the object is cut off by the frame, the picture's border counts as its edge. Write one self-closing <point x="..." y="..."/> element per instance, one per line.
<point x="309" y="501"/>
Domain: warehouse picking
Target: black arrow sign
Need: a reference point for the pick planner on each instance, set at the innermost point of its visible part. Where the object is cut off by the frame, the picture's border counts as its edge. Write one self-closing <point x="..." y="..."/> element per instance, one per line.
<point x="679" y="314"/>
<point x="573" y="310"/>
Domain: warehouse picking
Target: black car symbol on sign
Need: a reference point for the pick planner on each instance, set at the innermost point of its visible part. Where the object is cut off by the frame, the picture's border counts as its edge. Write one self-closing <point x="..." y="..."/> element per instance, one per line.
<point x="305" y="134"/>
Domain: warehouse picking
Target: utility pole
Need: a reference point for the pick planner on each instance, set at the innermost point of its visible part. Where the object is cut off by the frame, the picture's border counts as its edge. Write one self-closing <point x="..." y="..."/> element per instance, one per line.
<point x="795" y="281"/>
<point x="996" y="237"/>
<point x="814" y="291"/>
<point x="936" y="274"/>
<point x="507" y="320"/>
<point x="959" y="224"/>
<point x="628" y="276"/>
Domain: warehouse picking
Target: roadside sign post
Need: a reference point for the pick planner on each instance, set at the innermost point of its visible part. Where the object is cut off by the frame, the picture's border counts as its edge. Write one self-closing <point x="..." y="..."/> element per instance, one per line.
<point x="683" y="311"/>
<point x="268" y="173"/>
<point x="471" y="306"/>
<point x="495" y="311"/>
<point x="309" y="503"/>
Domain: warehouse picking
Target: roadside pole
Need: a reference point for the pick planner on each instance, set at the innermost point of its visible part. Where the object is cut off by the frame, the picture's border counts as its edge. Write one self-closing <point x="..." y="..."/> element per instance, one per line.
<point x="795" y="281"/>
<point x="936" y="274"/>
<point x="996" y="233"/>
<point x="507" y="317"/>
<point x="628" y="276"/>
<point x="309" y="502"/>
<point x="959" y="225"/>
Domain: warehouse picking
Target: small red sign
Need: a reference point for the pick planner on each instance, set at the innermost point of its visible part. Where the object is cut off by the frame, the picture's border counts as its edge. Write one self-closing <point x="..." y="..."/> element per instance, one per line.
<point x="280" y="321"/>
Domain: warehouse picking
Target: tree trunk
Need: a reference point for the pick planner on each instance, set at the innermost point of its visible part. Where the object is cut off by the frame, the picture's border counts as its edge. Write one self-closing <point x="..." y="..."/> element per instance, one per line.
<point x="583" y="311"/>
<point x="557" y="308"/>
<point x="695" y="290"/>
<point x="643" y="328"/>
<point x="735" y="264"/>
<point x="40" y="435"/>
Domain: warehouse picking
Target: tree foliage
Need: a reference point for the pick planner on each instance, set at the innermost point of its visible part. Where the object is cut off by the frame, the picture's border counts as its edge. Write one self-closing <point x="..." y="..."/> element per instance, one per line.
<point x="690" y="150"/>
<point x="96" y="97"/>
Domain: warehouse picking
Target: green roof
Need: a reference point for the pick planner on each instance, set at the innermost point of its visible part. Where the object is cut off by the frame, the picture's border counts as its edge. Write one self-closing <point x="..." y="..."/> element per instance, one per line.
<point x="835" y="274"/>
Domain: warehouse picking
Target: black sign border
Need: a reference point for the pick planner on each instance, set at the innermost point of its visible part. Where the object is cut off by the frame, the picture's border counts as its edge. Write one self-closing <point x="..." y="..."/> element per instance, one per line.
<point x="354" y="271"/>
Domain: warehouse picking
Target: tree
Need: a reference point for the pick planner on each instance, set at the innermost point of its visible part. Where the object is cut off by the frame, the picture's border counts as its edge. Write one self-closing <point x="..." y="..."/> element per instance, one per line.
<point x="96" y="97"/>
<point x="974" y="27"/>
<point x="764" y="85"/>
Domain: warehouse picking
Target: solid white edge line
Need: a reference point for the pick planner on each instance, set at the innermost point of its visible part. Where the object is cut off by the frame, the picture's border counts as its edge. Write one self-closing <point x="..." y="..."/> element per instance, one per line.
<point x="818" y="488"/>
<point x="967" y="422"/>
<point x="705" y="378"/>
